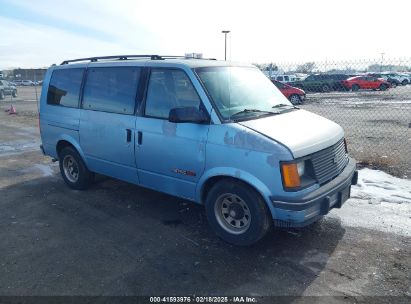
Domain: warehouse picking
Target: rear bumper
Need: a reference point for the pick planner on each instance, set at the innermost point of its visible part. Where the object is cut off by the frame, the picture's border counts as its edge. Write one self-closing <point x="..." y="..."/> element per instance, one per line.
<point x="309" y="208"/>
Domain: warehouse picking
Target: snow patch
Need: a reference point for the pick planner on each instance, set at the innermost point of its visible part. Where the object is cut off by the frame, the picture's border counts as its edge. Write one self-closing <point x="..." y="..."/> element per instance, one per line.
<point x="380" y="202"/>
<point x="377" y="187"/>
<point x="45" y="170"/>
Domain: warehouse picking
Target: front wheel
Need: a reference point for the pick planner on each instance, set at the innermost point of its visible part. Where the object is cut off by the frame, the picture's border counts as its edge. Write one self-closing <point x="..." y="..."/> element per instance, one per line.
<point x="237" y="213"/>
<point x="73" y="169"/>
<point x="295" y="99"/>
<point x="383" y="87"/>
<point x="355" y="87"/>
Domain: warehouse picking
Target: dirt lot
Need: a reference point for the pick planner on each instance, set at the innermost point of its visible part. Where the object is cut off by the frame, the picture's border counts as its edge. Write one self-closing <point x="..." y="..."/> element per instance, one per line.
<point x="120" y="239"/>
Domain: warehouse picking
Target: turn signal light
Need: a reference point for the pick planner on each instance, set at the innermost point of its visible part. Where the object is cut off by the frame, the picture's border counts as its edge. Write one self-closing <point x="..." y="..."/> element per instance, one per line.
<point x="291" y="178"/>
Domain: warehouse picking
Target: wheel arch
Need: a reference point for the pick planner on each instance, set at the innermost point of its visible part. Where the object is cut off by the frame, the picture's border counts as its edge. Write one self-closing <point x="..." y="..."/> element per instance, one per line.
<point x="216" y="175"/>
<point x="67" y="141"/>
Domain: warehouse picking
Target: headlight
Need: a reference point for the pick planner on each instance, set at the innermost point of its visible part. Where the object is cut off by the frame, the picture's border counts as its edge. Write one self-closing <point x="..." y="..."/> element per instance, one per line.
<point x="297" y="174"/>
<point x="301" y="168"/>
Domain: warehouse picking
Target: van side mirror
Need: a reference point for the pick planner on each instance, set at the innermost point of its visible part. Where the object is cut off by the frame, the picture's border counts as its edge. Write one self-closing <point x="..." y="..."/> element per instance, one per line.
<point x="188" y="114"/>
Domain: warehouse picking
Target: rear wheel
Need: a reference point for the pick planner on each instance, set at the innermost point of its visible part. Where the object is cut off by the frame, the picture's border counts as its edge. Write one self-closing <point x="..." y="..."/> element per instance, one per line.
<point x="325" y="88"/>
<point x="383" y="87"/>
<point x="295" y="99"/>
<point x="355" y="87"/>
<point x="73" y="170"/>
<point x="237" y="213"/>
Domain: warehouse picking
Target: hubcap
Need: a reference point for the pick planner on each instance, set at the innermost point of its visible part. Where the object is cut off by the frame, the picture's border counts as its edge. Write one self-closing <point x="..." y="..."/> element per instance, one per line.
<point x="70" y="167"/>
<point x="232" y="213"/>
<point x="295" y="99"/>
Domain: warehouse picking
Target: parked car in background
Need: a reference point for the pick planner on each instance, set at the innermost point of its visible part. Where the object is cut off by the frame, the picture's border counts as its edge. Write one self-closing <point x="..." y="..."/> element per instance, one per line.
<point x="27" y="83"/>
<point x="407" y="77"/>
<point x="401" y="78"/>
<point x="284" y="78"/>
<point x="7" y="89"/>
<point x="321" y="83"/>
<point x="24" y="82"/>
<point x="393" y="82"/>
<point x="366" y="83"/>
<point x="295" y="95"/>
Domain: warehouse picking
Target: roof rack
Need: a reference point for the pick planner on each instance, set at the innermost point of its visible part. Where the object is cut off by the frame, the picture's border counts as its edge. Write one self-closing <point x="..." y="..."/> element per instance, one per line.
<point x="123" y="57"/>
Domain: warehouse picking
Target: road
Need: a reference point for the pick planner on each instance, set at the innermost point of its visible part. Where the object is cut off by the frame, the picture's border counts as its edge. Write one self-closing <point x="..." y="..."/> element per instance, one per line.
<point x="120" y="239"/>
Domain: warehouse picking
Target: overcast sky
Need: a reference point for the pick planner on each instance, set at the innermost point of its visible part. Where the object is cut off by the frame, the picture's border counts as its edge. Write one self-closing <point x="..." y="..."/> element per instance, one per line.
<point x="42" y="32"/>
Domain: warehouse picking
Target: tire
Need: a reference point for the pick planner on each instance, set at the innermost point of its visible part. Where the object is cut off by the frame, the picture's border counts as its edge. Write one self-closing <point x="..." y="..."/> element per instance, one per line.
<point x="404" y="82"/>
<point x="355" y="87"/>
<point x="73" y="169"/>
<point x="1" y="95"/>
<point x="237" y="213"/>
<point x="325" y="88"/>
<point x="383" y="87"/>
<point x="14" y="94"/>
<point x="295" y="99"/>
<point x="393" y="84"/>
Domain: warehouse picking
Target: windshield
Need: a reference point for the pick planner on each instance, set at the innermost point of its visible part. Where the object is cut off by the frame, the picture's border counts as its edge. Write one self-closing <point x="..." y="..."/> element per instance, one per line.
<point x="242" y="92"/>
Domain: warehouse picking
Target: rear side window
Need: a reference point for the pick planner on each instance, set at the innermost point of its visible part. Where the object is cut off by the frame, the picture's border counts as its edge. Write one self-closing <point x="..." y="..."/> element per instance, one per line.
<point x="111" y="89"/>
<point x="64" y="88"/>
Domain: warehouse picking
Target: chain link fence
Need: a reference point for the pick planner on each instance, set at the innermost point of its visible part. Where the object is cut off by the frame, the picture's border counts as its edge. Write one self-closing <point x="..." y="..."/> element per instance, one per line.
<point x="370" y="99"/>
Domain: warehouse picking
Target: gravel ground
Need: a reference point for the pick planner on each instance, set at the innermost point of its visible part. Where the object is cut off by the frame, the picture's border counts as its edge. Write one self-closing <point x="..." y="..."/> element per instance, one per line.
<point x="377" y="125"/>
<point x="120" y="239"/>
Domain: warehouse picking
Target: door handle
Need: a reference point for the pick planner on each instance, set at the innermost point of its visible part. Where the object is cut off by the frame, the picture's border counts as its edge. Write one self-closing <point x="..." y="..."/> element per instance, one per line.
<point x="128" y="135"/>
<point x="139" y="137"/>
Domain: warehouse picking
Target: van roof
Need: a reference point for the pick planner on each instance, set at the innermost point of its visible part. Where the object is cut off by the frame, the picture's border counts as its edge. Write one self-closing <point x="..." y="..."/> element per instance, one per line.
<point x="156" y="59"/>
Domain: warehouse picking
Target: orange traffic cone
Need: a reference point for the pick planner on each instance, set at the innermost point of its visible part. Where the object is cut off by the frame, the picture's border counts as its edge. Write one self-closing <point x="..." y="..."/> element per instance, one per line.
<point x="12" y="110"/>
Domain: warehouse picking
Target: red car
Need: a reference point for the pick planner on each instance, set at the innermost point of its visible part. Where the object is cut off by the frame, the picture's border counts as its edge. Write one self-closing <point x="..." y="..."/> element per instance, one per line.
<point x="366" y="82"/>
<point x="295" y="95"/>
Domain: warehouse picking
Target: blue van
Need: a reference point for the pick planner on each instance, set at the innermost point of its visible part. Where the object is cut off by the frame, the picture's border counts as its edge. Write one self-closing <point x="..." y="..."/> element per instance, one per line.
<point x="212" y="132"/>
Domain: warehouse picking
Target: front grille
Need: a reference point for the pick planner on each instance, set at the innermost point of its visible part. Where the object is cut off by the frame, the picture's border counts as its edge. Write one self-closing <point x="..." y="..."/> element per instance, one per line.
<point x="328" y="163"/>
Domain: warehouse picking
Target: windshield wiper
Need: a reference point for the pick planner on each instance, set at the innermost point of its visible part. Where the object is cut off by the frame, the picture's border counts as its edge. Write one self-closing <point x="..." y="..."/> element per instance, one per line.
<point x="280" y="105"/>
<point x="253" y="111"/>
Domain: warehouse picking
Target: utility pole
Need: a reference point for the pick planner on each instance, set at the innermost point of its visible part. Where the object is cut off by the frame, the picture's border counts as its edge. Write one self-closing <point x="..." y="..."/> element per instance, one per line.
<point x="382" y="60"/>
<point x="225" y="44"/>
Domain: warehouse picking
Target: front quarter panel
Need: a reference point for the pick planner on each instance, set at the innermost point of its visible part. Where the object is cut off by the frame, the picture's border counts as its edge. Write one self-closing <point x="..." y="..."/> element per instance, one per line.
<point x="238" y="152"/>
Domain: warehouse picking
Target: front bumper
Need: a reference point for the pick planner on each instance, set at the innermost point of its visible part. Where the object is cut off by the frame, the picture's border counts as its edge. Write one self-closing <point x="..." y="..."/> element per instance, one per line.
<point x="298" y="212"/>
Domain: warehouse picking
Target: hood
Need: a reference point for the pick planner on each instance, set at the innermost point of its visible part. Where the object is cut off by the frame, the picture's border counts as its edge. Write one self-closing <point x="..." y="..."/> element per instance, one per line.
<point x="301" y="131"/>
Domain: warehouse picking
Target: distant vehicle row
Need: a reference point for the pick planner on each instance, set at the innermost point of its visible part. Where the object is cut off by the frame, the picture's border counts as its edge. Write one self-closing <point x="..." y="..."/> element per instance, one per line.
<point x="26" y="83"/>
<point x="6" y="88"/>
<point x="342" y="82"/>
<point x="297" y="95"/>
<point x="338" y="82"/>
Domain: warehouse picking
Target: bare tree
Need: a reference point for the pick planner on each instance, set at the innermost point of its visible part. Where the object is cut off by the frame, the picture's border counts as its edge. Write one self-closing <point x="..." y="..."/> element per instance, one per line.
<point x="306" y="68"/>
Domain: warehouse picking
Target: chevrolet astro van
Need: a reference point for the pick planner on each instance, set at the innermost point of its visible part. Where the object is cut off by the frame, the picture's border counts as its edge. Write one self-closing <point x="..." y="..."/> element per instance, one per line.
<point x="212" y="132"/>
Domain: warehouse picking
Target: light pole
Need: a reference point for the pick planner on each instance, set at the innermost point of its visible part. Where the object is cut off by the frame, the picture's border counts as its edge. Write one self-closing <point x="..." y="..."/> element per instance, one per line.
<point x="382" y="60"/>
<point x="225" y="43"/>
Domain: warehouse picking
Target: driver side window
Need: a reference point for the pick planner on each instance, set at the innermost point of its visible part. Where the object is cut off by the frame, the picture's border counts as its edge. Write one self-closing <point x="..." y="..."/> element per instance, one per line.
<point x="168" y="89"/>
